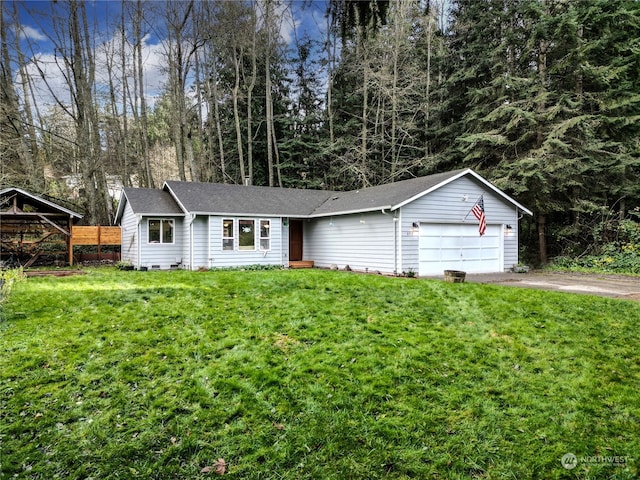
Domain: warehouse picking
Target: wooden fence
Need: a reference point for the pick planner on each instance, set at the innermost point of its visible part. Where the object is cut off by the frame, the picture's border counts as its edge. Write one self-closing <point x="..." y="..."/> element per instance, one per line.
<point x="99" y="235"/>
<point x="95" y="236"/>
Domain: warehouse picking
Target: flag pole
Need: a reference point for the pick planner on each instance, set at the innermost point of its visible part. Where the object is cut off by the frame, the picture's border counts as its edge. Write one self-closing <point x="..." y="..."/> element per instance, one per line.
<point x="474" y="204"/>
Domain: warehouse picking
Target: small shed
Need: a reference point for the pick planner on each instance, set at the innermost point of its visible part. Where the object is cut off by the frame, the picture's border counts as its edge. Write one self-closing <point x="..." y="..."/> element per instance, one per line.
<point x="32" y="226"/>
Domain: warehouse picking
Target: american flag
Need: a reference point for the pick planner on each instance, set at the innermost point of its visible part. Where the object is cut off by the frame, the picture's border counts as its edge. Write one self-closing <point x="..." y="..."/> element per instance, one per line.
<point x="478" y="212"/>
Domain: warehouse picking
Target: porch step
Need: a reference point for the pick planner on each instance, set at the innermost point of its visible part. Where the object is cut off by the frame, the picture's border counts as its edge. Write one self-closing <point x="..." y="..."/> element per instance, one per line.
<point x="301" y="264"/>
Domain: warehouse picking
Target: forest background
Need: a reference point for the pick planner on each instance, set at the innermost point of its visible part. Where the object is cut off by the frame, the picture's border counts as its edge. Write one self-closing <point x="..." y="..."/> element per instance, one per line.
<point x="542" y="97"/>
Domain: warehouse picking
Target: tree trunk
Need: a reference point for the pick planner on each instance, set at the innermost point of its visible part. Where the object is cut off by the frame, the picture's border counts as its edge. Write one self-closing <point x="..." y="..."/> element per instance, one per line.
<point x="178" y="15"/>
<point x="236" y="112"/>
<point x="12" y="132"/>
<point x="213" y="103"/>
<point x="124" y="174"/>
<point x="250" y="87"/>
<point x="36" y="167"/>
<point x="365" y="123"/>
<point x="542" y="239"/>
<point x="268" y="99"/>
<point x="82" y="64"/>
<point x="104" y="212"/>
<point x="144" y="167"/>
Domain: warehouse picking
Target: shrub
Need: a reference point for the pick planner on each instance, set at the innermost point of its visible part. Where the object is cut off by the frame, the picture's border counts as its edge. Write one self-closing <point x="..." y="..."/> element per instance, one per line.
<point x="619" y="256"/>
<point x="613" y="259"/>
<point x="7" y="279"/>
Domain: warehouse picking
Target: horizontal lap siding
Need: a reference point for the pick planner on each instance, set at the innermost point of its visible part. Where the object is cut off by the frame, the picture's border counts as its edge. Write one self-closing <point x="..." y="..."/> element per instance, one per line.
<point x="185" y="233"/>
<point x="129" y="236"/>
<point x="236" y="258"/>
<point x="446" y="205"/>
<point x="200" y="228"/>
<point x="162" y="255"/>
<point x="344" y="240"/>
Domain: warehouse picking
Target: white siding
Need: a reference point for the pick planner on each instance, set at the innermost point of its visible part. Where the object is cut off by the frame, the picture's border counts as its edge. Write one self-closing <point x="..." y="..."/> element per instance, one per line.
<point x="235" y="258"/>
<point x="129" y="236"/>
<point x="448" y="205"/>
<point x="184" y="233"/>
<point x="200" y="246"/>
<point x="364" y="242"/>
<point x="161" y="255"/>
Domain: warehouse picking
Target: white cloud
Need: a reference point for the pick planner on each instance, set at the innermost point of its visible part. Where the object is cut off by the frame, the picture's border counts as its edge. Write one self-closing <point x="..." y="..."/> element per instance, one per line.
<point x="49" y="74"/>
<point x="26" y="32"/>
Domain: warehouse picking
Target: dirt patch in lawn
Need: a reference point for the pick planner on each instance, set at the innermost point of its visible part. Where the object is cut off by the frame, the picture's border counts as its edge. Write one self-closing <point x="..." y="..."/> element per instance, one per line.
<point x="52" y="273"/>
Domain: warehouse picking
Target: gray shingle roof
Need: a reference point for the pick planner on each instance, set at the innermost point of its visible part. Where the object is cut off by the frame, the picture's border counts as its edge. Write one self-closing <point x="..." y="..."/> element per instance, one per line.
<point x="382" y="196"/>
<point x="217" y="198"/>
<point x="151" y="201"/>
<point x="178" y="198"/>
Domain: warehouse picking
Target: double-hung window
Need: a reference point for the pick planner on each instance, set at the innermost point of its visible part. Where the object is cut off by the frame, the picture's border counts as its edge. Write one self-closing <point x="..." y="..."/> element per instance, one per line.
<point x="227" y="234"/>
<point x="265" y="234"/>
<point x="161" y="230"/>
<point x="246" y="234"/>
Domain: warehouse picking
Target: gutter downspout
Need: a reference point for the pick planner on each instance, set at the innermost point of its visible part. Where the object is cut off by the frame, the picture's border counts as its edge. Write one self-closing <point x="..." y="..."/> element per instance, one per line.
<point x="281" y="242"/>
<point x="396" y="220"/>
<point x="192" y="218"/>
<point x="139" y="233"/>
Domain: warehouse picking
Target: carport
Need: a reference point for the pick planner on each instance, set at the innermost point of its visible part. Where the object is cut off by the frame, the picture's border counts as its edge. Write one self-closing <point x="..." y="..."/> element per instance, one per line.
<point x="32" y="226"/>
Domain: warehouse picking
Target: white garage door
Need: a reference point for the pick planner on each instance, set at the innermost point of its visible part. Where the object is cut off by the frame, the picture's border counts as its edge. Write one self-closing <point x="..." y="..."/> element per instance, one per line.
<point x="459" y="247"/>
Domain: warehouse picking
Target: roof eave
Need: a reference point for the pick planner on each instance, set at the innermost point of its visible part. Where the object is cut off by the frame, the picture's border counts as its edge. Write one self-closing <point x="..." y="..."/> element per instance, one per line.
<point x="461" y="174"/>
<point x="162" y="214"/>
<point x="120" y="209"/>
<point x="251" y="214"/>
<point x="378" y="208"/>
<point x="500" y="192"/>
<point x="44" y="201"/>
<point x="431" y="189"/>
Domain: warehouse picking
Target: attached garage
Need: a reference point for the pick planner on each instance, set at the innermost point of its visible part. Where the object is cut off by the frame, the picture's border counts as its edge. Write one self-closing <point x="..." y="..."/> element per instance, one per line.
<point x="457" y="246"/>
<point x="422" y="225"/>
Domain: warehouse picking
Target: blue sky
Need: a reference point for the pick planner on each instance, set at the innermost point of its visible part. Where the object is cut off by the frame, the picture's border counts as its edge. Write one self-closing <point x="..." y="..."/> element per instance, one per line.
<point x="36" y="20"/>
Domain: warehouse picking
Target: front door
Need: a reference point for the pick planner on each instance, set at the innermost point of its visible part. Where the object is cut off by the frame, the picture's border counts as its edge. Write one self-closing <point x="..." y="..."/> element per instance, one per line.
<point x="295" y="240"/>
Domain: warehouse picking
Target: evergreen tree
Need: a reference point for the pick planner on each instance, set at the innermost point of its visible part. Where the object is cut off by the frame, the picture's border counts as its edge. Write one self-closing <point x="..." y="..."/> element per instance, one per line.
<point x="533" y="105"/>
<point x="303" y="163"/>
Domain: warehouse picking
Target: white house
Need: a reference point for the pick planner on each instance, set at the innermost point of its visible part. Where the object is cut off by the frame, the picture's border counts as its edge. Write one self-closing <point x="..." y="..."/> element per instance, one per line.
<point x="424" y="225"/>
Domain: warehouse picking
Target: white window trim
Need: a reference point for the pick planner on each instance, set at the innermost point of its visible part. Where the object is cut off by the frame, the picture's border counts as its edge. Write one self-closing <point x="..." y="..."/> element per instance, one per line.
<point x="232" y="237"/>
<point x="260" y="237"/>
<point x="245" y="249"/>
<point x="161" y="220"/>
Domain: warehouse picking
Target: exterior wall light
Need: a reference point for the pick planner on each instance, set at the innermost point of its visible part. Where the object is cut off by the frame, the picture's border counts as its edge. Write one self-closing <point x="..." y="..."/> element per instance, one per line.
<point x="508" y="231"/>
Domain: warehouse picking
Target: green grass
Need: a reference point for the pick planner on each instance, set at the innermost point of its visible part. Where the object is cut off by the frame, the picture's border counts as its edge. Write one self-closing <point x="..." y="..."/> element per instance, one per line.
<point x="313" y="374"/>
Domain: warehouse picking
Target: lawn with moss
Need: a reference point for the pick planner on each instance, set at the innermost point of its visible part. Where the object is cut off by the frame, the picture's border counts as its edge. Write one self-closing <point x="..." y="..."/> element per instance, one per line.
<point x="313" y="374"/>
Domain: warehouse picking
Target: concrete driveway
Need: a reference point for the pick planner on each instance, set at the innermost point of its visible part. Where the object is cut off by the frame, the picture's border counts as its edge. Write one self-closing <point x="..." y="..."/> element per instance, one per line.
<point x="616" y="286"/>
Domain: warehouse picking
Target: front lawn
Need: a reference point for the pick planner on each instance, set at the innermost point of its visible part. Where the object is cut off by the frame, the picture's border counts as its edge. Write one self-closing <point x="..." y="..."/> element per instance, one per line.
<point x="314" y="374"/>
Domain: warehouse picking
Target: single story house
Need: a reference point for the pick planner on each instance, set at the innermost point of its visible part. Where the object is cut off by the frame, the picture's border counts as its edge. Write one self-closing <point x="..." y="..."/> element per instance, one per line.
<point x="423" y="225"/>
